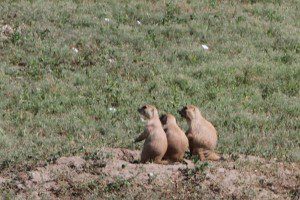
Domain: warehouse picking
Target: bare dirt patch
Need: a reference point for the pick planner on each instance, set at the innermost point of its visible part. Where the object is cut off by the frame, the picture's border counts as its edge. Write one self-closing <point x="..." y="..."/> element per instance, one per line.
<point x="116" y="173"/>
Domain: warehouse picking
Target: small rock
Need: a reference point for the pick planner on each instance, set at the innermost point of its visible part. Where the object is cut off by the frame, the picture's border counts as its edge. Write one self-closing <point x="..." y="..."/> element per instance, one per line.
<point x="107" y="19"/>
<point x="20" y="186"/>
<point x="7" y="30"/>
<point x="221" y="170"/>
<point x="35" y="176"/>
<point x="38" y="177"/>
<point x="74" y="161"/>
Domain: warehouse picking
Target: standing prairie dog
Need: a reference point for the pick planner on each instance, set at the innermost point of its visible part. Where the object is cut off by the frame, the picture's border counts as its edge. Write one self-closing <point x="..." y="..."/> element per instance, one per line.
<point x="177" y="140"/>
<point x="156" y="143"/>
<point x="201" y="134"/>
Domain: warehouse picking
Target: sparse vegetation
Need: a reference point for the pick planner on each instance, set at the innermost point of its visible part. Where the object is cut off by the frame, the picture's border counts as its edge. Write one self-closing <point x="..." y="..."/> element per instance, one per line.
<point x="73" y="73"/>
<point x="245" y="177"/>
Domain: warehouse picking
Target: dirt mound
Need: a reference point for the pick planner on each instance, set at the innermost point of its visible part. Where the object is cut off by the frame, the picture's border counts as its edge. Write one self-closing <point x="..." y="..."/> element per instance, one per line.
<point x="116" y="172"/>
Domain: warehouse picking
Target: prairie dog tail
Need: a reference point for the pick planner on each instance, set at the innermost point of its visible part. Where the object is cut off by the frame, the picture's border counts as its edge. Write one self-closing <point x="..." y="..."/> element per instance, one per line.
<point x="210" y="155"/>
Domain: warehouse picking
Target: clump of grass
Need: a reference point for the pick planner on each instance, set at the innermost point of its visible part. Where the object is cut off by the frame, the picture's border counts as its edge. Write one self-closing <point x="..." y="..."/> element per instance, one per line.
<point x="117" y="185"/>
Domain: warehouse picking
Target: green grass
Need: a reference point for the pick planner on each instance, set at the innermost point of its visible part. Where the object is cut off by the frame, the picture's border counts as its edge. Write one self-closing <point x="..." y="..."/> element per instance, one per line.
<point x="55" y="102"/>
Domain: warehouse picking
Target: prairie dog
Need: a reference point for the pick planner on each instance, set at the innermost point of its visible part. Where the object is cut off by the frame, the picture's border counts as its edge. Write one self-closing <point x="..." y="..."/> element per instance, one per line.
<point x="177" y="140"/>
<point x="156" y="143"/>
<point x="201" y="134"/>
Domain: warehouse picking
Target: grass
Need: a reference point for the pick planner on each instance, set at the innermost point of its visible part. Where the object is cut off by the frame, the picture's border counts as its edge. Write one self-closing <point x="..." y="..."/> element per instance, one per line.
<point x="54" y="101"/>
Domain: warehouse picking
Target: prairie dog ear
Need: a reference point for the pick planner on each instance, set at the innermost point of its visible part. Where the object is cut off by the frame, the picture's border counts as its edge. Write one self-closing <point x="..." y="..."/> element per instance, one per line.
<point x="150" y="112"/>
<point x="190" y="112"/>
<point x="153" y="110"/>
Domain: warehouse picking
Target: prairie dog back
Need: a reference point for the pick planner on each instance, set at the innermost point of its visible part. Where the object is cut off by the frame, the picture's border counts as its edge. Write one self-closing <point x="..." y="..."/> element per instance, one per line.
<point x="201" y="134"/>
<point x="177" y="140"/>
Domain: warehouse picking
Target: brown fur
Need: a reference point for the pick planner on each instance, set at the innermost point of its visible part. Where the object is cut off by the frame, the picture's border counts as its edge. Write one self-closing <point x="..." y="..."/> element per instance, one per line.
<point x="201" y="134"/>
<point x="156" y="144"/>
<point x="177" y="140"/>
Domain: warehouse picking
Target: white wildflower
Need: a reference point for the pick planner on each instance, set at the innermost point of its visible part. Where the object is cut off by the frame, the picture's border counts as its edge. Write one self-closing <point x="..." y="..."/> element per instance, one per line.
<point x="205" y="47"/>
<point x="112" y="109"/>
<point x="75" y="50"/>
<point x="111" y="60"/>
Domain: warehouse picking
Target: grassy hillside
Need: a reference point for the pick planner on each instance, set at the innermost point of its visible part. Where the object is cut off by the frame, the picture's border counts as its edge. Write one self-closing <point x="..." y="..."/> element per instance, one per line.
<point x="56" y="101"/>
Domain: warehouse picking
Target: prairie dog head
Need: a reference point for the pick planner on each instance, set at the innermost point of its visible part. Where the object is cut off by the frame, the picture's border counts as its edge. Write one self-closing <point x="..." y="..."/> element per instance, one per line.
<point x="190" y="112"/>
<point x="148" y="112"/>
<point x="167" y="119"/>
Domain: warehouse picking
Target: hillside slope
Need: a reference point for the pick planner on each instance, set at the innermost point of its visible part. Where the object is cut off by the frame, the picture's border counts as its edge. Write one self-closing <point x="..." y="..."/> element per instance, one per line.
<point x="73" y="73"/>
